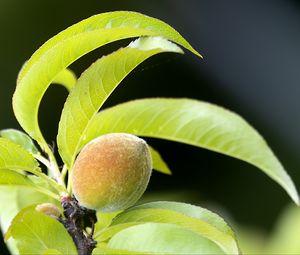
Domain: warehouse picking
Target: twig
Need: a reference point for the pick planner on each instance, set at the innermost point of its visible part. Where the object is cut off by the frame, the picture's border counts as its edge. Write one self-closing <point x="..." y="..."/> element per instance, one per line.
<point x="77" y="218"/>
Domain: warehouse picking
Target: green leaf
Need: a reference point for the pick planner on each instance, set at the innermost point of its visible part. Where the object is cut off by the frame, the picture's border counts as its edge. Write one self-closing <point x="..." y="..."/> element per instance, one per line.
<point x="14" y="157"/>
<point x="196" y="123"/>
<point x="69" y="45"/>
<point x="189" y="210"/>
<point x="106" y="233"/>
<point x="8" y="177"/>
<point x="66" y="78"/>
<point x="12" y="200"/>
<point x="196" y="219"/>
<point x="158" y="163"/>
<point x="158" y="238"/>
<point x="94" y="87"/>
<point x="104" y="220"/>
<point x="20" y="138"/>
<point x="103" y="249"/>
<point x="37" y="233"/>
<point x="52" y="252"/>
<point x="285" y="237"/>
<point x="26" y="190"/>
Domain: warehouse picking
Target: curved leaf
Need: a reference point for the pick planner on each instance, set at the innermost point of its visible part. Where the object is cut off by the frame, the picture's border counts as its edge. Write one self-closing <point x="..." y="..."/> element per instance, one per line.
<point x="32" y="229"/>
<point x="20" y="138"/>
<point x="94" y="87"/>
<point x="66" y="78"/>
<point x="189" y="210"/>
<point x="158" y="238"/>
<point x="14" y="157"/>
<point x="196" y="123"/>
<point x="196" y="219"/>
<point x="158" y="163"/>
<point x="63" y="49"/>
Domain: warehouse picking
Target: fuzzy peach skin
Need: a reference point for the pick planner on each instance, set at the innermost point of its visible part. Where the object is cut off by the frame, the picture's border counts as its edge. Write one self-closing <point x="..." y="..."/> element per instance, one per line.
<point x="111" y="172"/>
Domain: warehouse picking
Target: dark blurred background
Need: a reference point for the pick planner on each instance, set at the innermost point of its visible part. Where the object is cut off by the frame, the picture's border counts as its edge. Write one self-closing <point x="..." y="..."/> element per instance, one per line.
<point x="251" y="66"/>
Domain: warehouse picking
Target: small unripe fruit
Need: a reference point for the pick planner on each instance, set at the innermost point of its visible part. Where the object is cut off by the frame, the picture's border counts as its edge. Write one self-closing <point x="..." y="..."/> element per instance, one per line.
<point x="49" y="209"/>
<point x="111" y="172"/>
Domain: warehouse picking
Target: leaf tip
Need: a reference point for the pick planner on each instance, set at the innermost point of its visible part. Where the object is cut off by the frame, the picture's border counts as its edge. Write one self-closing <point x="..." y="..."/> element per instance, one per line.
<point x="296" y="199"/>
<point x="168" y="171"/>
<point x="8" y="234"/>
<point x="197" y="53"/>
<point x="155" y="42"/>
<point x="292" y="191"/>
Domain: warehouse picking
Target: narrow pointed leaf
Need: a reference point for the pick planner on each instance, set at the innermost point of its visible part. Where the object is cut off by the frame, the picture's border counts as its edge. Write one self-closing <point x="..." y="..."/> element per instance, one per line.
<point x="20" y="138"/>
<point x="94" y="87"/>
<point x="69" y="45"/>
<point x="158" y="238"/>
<point x="197" y="219"/>
<point x="158" y="163"/>
<point x="196" y="123"/>
<point x="37" y="233"/>
<point x="14" y="157"/>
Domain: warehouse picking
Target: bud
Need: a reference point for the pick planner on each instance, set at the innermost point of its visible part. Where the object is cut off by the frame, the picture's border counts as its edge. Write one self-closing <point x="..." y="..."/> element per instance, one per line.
<point x="49" y="209"/>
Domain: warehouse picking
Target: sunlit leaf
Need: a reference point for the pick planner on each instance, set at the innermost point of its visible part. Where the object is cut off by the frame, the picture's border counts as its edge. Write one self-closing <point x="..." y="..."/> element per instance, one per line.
<point x="52" y="252"/>
<point x="66" y="78"/>
<point x="106" y="233"/>
<point x="196" y="219"/>
<point x="158" y="163"/>
<point x="37" y="233"/>
<point x="103" y="249"/>
<point x="95" y="86"/>
<point x="8" y="177"/>
<point x="13" y="200"/>
<point x="104" y="220"/>
<point x="196" y="123"/>
<point x="63" y="49"/>
<point x="20" y="138"/>
<point x="158" y="238"/>
<point x="189" y="210"/>
<point x="14" y="157"/>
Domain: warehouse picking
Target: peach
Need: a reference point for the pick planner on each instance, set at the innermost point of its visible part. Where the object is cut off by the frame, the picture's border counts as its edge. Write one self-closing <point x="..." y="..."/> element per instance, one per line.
<point x="111" y="172"/>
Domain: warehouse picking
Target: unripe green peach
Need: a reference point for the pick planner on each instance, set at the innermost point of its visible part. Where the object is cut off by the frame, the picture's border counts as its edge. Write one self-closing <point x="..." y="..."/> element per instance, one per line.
<point x="111" y="172"/>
